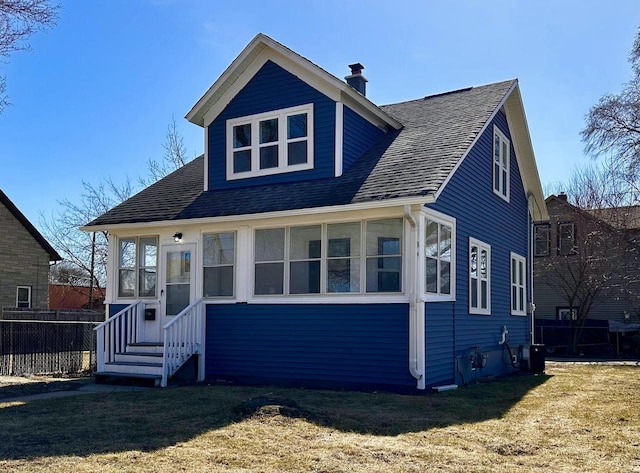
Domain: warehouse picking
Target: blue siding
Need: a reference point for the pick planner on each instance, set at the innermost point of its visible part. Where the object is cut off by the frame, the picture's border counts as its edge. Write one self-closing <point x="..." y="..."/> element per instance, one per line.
<point x="273" y="88"/>
<point x="334" y="344"/>
<point x="439" y="339"/>
<point x="485" y="216"/>
<point x="358" y="136"/>
<point x="115" y="308"/>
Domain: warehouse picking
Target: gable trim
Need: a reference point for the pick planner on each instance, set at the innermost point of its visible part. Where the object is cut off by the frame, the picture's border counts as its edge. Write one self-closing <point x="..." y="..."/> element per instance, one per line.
<point x="37" y="236"/>
<point x="339" y="138"/>
<point x="475" y="140"/>
<point x="249" y="62"/>
<point x="521" y="142"/>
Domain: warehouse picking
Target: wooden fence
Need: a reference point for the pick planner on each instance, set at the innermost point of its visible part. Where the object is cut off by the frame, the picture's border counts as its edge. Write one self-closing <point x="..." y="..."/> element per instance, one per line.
<point x="47" y="341"/>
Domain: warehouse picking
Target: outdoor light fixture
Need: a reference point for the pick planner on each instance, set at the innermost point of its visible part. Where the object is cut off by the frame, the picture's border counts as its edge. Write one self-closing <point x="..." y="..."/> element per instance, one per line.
<point x="177" y="237"/>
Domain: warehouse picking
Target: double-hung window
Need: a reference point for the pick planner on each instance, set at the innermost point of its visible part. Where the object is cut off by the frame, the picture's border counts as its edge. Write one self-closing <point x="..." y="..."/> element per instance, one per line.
<point x="479" y="277"/>
<point x="518" y="291"/>
<point x="270" y="143"/>
<point x="566" y="239"/>
<point x="218" y="263"/>
<point x="137" y="266"/>
<point x="329" y="258"/>
<point x="439" y="251"/>
<point x="542" y="240"/>
<point x="23" y="297"/>
<point x="501" y="148"/>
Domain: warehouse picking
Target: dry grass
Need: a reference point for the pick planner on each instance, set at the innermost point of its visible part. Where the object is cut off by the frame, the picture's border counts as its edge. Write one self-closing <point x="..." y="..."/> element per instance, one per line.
<point x="576" y="418"/>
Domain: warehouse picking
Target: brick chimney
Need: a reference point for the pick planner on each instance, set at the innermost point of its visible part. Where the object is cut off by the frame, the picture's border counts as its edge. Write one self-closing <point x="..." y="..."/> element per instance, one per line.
<point x="356" y="79"/>
<point x="562" y="196"/>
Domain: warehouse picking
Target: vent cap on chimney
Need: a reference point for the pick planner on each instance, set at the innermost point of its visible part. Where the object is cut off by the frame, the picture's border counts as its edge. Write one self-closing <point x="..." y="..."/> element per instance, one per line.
<point x="356" y="79"/>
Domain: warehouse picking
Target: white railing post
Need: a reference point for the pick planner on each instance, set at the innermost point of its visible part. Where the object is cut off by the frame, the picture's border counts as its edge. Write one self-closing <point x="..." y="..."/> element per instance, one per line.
<point x="115" y="333"/>
<point x="180" y="340"/>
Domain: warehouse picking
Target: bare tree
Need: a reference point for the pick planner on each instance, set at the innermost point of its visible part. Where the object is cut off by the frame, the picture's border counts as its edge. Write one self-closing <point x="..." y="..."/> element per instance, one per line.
<point x="87" y="252"/>
<point x="79" y="248"/>
<point x="593" y="257"/>
<point x="613" y="126"/>
<point x="20" y="19"/>
<point x="174" y="156"/>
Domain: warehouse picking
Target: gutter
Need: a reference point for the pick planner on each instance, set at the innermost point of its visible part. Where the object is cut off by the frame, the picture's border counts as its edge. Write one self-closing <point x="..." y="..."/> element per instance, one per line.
<point x="416" y="306"/>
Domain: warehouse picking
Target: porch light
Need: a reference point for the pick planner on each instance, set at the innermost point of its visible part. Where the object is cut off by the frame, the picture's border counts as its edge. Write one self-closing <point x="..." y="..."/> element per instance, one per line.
<point x="177" y="237"/>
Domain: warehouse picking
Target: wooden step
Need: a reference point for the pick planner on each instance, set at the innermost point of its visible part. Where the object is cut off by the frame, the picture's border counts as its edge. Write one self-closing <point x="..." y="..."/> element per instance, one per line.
<point x="145" y="347"/>
<point x="138" y="357"/>
<point x="134" y="367"/>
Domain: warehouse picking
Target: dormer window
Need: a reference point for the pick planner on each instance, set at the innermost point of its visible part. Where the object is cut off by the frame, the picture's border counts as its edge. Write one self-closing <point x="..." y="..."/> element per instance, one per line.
<point x="270" y="143"/>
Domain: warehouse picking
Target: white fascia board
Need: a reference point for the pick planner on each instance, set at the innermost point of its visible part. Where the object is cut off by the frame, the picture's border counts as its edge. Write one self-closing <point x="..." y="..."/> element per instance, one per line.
<point x="376" y="204"/>
<point x="263" y="48"/>
<point x="521" y="140"/>
<point x="475" y="140"/>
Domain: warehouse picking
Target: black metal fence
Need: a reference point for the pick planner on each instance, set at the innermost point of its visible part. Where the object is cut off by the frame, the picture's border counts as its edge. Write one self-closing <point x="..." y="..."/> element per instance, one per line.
<point x="41" y="342"/>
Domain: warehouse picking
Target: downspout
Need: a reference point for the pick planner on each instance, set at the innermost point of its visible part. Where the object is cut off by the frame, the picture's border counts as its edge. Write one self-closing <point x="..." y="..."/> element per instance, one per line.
<point x="532" y="305"/>
<point x="416" y="306"/>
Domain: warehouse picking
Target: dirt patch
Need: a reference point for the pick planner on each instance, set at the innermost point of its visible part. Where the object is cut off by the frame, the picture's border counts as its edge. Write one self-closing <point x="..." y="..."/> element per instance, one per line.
<point x="263" y="406"/>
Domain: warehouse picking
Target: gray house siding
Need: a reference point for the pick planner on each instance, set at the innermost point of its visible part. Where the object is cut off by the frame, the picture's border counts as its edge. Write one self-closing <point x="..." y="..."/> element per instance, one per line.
<point x="23" y="262"/>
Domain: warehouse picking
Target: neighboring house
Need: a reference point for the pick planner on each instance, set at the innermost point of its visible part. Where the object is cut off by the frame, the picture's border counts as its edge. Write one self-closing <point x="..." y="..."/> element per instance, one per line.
<point x="24" y="260"/>
<point x="587" y="277"/>
<point x="70" y="296"/>
<point x="328" y="241"/>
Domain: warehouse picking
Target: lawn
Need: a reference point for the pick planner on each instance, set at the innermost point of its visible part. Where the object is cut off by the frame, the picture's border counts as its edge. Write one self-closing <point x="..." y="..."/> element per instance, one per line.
<point x="574" y="418"/>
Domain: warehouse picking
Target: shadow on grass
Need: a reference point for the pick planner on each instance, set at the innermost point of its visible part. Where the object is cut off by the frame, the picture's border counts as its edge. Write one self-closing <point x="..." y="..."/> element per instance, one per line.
<point x="152" y="420"/>
<point x="40" y="387"/>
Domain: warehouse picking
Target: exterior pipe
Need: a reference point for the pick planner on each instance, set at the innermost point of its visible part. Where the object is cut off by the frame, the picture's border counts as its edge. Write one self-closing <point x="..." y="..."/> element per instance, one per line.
<point x="416" y="307"/>
<point x="532" y="306"/>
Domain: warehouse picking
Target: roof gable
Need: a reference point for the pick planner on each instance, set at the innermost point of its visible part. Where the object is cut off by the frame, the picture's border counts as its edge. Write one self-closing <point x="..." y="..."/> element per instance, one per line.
<point x="37" y="236"/>
<point x="262" y="49"/>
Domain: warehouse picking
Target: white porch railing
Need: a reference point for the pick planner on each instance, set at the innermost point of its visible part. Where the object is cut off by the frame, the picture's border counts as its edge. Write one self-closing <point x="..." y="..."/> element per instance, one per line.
<point x="118" y="331"/>
<point x="184" y="337"/>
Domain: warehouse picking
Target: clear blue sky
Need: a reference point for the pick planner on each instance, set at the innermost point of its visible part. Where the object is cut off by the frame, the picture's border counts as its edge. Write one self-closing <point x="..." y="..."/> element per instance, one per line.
<point x="95" y="96"/>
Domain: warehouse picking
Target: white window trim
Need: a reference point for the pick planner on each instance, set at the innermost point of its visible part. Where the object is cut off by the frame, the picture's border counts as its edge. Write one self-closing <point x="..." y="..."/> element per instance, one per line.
<point x="523" y="260"/>
<point x="234" y="265"/>
<point x="254" y="120"/>
<point x="28" y="288"/>
<point x="451" y="222"/>
<point x="481" y="246"/>
<point x="324" y="296"/>
<point x="502" y="191"/>
<point x="137" y="267"/>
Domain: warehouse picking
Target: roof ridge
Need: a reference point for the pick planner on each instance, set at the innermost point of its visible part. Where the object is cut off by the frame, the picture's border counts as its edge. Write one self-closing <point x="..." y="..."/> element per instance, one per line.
<point x="448" y="92"/>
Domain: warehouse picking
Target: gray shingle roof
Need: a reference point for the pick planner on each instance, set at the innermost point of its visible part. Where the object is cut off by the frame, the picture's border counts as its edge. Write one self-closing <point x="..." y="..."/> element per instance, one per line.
<point x="411" y="162"/>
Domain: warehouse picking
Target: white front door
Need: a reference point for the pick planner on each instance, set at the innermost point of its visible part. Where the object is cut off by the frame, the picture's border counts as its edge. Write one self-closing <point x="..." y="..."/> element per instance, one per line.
<point x="178" y="282"/>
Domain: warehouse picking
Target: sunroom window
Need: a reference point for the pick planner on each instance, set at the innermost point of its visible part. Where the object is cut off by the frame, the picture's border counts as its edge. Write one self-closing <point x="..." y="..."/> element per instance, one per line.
<point x="218" y="263"/>
<point x="328" y="258"/>
<point x="270" y="143"/>
<point x="137" y="266"/>
<point x="343" y="257"/>
<point x="439" y="252"/>
<point x="384" y="255"/>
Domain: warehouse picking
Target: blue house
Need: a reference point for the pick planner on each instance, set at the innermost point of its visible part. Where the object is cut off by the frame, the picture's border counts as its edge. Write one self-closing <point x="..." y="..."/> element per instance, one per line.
<point x="323" y="240"/>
